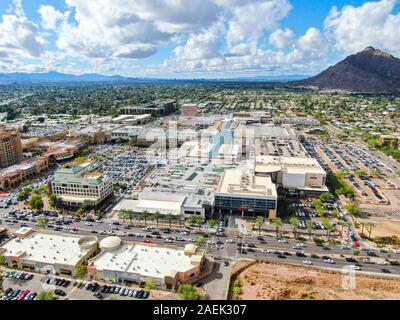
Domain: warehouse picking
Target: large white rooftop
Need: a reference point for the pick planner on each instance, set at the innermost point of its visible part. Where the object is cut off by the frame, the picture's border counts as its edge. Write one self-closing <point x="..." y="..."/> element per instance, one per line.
<point x="152" y="206"/>
<point x="46" y="248"/>
<point x="146" y="260"/>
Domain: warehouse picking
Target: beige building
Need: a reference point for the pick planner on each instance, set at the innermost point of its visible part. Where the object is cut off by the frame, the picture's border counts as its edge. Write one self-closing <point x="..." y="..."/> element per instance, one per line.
<point x="128" y="262"/>
<point x="190" y="110"/>
<point x="10" y="147"/>
<point x="48" y="252"/>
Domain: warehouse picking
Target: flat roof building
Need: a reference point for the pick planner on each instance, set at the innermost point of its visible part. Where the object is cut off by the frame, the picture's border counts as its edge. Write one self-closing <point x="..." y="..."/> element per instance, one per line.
<point x="156" y="108"/>
<point x="76" y="183"/>
<point x="46" y="251"/>
<point x="293" y="173"/>
<point x="128" y="262"/>
<point x="240" y="190"/>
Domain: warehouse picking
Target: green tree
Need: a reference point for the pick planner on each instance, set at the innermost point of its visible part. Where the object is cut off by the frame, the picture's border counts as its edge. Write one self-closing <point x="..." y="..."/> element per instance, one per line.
<point x="150" y="285"/>
<point x="328" y="226"/>
<point x="46" y="295"/>
<point x="211" y="223"/>
<point x="199" y="221"/>
<point x="200" y="241"/>
<point x="24" y="194"/>
<point x="3" y="261"/>
<point x="122" y="215"/>
<point x="259" y="222"/>
<point x="294" y="221"/>
<point x="36" y="202"/>
<point x="188" y="292"/>
<point x="290" y="209"/>
<point x="157" y="217"/>
<point x="319" y="209"/>
<point x="42" y="221"/>
<point x="80" y="212"/>
<point x="326" y="197"/>
<point x="144" y="216"/>
<point x="278" y="223"/>
<point x="169" y="217"/>
<point x="310" y="227"/>
<point x="54" y="202"/>
<point x="352" y="210"/>
<point x="81" y="271"/>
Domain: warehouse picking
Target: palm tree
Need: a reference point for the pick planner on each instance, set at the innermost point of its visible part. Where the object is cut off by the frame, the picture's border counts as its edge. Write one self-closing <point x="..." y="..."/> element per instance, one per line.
<point x="129" y="214"/>
<point x="169" y="216"/>
<point x="370" y="225"/>
<point x="328" y="226"/>
<point x="294" y="221"/>
<point x="310" y="227"/>
<point x="143" y="216"/>
<point x="157" y="216"/>
<point x="122" y="215"/>
<point x="259" y="222"/>
<point x="278" y="223"/>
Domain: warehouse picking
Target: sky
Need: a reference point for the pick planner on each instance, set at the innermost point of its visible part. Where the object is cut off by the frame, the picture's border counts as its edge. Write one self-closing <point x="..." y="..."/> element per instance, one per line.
<point x="192" y="38"/>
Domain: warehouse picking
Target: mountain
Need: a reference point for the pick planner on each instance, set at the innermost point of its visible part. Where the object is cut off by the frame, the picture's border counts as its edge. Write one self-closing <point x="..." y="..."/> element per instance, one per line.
<point x="17" y="77"/>
<point x="370" y="70"/>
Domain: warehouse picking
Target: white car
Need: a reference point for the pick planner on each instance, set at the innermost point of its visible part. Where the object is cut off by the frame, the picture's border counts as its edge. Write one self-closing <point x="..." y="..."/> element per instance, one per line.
<point x="382" y="262"/>
<point x="330" y="261"/>
<point x="229" y="241"/>
<point x="88" y="224"/>
<point x="353" y="267"/>
<point x="168" y="240"/>
<point x="265" y="251"/>
<point x="282" y="241"/>
<point x="396" y="251"/>
<point x="307" y="262"/>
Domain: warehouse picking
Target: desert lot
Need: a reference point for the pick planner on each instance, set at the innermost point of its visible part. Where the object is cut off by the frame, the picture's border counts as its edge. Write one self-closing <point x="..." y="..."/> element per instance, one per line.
<point x="270" y="281"/>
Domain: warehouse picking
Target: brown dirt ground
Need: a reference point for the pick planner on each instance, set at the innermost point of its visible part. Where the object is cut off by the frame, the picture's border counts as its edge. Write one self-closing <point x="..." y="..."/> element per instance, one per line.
<point x="270" y="281"/>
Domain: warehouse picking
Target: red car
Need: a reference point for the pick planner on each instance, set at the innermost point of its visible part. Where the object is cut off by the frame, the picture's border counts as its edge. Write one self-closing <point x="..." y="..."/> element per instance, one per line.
<point x="23" y="294"/>
<point x="147" y="241"/>
<point x="75" y="229"/>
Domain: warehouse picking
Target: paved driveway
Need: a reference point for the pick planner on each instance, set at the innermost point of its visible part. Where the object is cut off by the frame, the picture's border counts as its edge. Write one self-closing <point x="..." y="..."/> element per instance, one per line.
<point x="217" y="284"/>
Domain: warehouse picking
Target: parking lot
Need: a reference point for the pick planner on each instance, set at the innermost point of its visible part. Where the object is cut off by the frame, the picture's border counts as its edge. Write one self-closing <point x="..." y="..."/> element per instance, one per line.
<point x="359" y="167"/>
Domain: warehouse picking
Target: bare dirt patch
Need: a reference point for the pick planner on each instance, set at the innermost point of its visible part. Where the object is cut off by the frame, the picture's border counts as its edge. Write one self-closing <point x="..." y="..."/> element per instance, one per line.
<point x="271" y="281"/>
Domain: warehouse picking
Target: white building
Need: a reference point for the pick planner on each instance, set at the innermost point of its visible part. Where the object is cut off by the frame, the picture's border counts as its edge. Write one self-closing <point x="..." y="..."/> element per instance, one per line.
<point x="48" y="251"/>
<point x="75" y="184"/>
<point x="128" y="262"/>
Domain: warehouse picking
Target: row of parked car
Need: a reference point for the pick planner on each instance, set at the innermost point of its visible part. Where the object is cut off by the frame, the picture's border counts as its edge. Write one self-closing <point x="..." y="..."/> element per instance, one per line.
<point x="141" y="294"/>
<point x="17" y="294"/>
<point x="23" y="276"/>
<point x="56" y="281"/>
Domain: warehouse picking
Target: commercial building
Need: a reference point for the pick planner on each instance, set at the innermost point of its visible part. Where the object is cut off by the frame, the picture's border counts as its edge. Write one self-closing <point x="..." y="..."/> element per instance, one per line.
<point x="12" y="176"/>
<point x="76" y="183"/>
<point x="156" y="108"/>
<point x="190" y="110"/>
<point x="240" y="190"/>
<point x="128" y="262"/>
<point x="127" y="133"/>
<point x="10" y="147"/>
<point x="94" y="133"/>
<point x="295" y="174"/>
<point x="151" y="200"/>
<point x="132" y="119"/>
<point x="48" y="252"/>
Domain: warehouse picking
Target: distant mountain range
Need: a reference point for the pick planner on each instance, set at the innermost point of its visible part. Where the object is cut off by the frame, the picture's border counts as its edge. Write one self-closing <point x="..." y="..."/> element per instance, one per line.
<point x="23" y="78"/>
<point x="369" y="71"/>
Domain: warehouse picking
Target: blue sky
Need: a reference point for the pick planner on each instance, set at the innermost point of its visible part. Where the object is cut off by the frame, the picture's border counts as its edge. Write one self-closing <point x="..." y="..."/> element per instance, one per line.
<point x="191" y="39"/>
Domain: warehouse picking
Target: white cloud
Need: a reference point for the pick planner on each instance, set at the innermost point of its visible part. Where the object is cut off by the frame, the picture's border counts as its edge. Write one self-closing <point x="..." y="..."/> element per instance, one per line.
<point x="51" y="17"/>
<point x="281" y="39"/>
<point x="20" y="36"/>
<point x="351" y="29"/>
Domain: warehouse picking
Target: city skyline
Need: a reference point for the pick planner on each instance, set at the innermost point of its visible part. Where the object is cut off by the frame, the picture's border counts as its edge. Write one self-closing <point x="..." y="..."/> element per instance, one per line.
<point x="200" y="39"/>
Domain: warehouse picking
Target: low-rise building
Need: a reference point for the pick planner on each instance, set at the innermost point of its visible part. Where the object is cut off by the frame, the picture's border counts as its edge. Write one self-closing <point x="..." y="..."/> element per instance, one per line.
<point x="156" y="108"/>
<point x="76" y="183"/>
<point x="295" y="174"/>
<point x="128" y="262"/>
<point x="240" y="190"/>
<point x="48" y="252"/>
<point x="12" y="176"/>
<point x="190" y="110"/>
